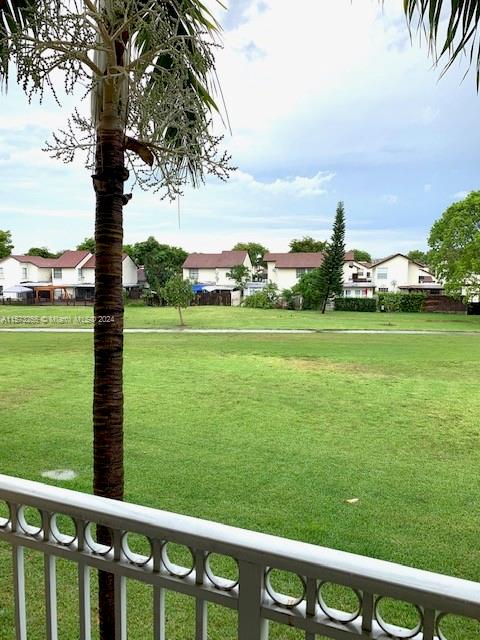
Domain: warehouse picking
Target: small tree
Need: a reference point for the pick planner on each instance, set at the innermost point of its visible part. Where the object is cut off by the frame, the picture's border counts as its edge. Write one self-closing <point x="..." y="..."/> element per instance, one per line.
<point x="331" y="270"/>
<point x="88" y="244"/>
<point x="42" y="252"/>
<point x="240" y="274"/>
<point x="361" y="256"/>
<point x="6" y="244"/>
<point x="307" y="245"/>
<point x="255" y="250"/>
<point x="418" y="256"/>
<point x="178" y="293"/>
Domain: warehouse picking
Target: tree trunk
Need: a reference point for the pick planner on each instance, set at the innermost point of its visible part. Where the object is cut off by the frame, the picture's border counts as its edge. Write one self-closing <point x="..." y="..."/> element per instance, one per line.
<point x="324" y="304"/>
<point x="108" y="341"/>
<point x="182" y="324"/>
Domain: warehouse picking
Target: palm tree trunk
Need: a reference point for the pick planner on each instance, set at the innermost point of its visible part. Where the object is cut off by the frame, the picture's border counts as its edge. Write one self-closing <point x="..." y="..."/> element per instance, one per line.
<point x="108" y="472"/>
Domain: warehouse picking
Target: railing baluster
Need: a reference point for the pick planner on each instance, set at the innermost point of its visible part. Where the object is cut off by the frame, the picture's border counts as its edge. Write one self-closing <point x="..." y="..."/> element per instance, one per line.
<point x="50" y="577"/>
<point x="120" y="589"/>
<point x="50" y="571"/>
<point x="311" y="603"/>
<point x="201" y="607"/>
<point x="19" y="592"/>
<point x="158" y="596"/>
<point x="429" y="616"/>
<point x="251" y="625"/>
<point x="84" y="601"/>
<point x="367" y="611"/>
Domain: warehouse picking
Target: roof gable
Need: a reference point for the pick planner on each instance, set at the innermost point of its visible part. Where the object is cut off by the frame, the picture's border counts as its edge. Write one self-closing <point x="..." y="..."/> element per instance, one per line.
<point x="226" y="259"/>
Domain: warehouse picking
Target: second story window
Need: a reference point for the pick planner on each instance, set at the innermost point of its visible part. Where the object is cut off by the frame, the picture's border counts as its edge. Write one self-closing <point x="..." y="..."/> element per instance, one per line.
<point x="24" y="273"/>
<point x="80" y="274"/>
<point x="2" y="275"/>
<point x="301" y="271"/>
<point x="57" y="272"/>
<point x="382" y="274"/>
<point x="193" y="275"/>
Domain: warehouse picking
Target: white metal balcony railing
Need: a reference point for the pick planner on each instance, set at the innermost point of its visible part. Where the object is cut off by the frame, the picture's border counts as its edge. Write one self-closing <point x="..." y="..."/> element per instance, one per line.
<point x="251" y="594"/>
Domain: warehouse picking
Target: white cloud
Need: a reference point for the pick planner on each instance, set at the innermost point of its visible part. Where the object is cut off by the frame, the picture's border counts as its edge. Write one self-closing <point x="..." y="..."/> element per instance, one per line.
<point x="390" y="198"/>
<point x="460" y="195"/>
<point x="299" y="186"/>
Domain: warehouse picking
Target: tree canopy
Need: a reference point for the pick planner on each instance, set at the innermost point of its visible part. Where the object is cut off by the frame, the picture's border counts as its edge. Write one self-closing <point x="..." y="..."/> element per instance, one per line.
<point x="331" y="269"/>
<point x="361" y="256"/>
<point x="6" y="244"/>
<point x="240" y="274"/>
<point x="88" y="244"/>
<point x="178" y="293"/>
<point x="255" y="250"/>
<point x="418" y="256"/>
<point x="161" y="261"/>
<point x="42" y="252"/>
<point x="455" y="247"/>
<point x="307" y="244"/>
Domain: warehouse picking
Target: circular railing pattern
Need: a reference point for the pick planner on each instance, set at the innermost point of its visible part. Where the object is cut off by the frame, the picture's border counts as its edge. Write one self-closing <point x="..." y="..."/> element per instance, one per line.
<point x="5" y="514"/>
<point x="281" y="599"/>
<point x="393" y="630"/>
<point x="222" y="583"/>
<point x="175" y="569"/>
<point x="95" y="547"/>
<point x="343" y="617"/>
<point x="137" y="559"/>
<point x="65" y="539"/>
<point x="33" y="530"/>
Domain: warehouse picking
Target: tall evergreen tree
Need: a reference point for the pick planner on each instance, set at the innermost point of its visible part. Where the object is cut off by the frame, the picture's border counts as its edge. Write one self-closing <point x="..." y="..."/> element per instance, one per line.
<point x="331" y="270"/>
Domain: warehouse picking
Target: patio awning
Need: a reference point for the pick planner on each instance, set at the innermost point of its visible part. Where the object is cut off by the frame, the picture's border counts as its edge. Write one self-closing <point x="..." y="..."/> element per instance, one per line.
<point x="17" y="288"/>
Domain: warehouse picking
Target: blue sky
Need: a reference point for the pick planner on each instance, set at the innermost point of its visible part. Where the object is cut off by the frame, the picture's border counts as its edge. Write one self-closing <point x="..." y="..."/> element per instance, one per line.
<point x="331" y="103"/>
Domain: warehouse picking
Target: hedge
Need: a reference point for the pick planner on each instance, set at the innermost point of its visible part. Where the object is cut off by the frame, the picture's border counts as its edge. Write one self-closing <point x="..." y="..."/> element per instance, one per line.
<point x="355" y="304"/>
<point x="404" y="302"/>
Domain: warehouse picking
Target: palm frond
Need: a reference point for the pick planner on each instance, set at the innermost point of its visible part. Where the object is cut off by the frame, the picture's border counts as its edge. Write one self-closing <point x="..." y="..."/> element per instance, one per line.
<point x="461" y="35"/>
<point x="14" y="14"/>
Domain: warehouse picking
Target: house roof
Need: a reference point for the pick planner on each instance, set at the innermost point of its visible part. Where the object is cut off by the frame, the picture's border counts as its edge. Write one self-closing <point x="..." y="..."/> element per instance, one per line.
<point x="68" y="259"/>
<point x="90" y="263"/>
<point x="295" y="260"/>
<point x="226" y="259"/>
<point x="394" y="255"/>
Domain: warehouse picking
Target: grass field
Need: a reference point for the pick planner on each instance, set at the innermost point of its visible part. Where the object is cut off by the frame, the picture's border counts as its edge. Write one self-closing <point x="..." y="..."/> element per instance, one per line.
<point x="239" y="318"/>
<point x="271" y="433"/>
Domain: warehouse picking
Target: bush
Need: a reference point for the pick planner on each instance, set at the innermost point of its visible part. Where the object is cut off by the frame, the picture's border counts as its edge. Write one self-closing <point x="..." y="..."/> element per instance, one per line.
<point x="403" y="302"/>
<point x="309" y="287"/>
<point x="265" y="299"/>
<point x="355" y="304"/>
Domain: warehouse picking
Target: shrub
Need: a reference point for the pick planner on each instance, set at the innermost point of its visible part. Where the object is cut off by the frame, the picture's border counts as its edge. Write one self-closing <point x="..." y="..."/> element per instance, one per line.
<point x="404" y="302"/>
<point x="309" y="287"/>
<point x="267" y="298"/>
<point x="355" y="304"/>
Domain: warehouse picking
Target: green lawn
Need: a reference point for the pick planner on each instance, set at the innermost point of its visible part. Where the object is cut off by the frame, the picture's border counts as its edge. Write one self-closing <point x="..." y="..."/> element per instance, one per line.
<point x="239" y="318"/>
<point x="272" y="433"/>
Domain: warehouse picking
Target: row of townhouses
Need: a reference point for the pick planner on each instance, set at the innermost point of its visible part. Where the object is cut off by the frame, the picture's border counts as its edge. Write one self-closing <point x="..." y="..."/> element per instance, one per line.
<point x="72" y="275"/>
<point x="361" y="279"/>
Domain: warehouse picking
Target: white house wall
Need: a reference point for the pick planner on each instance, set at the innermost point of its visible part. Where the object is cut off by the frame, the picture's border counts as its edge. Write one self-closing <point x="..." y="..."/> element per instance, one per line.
<point x="129" y="273"/>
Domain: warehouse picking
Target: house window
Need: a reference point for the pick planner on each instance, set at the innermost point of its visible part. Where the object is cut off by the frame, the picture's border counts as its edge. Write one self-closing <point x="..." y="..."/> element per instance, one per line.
<point x="2" y="275"/>
<point x="383" y="289"/>
<point x="57" y="272"/>
<point x="193" y="274"/>
<point x="301" y="271"/>
<point x="358" y="293"/>
<point x="80" y="274"/>
<point x="348" y="292"/>
<point x="24" y="273"/>
<point x="382" y="274"/>
<point x="368" y="274"/>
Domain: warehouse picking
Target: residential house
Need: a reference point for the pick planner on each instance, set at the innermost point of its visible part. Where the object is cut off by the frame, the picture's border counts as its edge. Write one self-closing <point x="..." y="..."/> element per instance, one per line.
<point x="211" y="269"/>
<point x="360" y="279"/>
<point x="71" y="276"/>
<point x="399" y="273"/>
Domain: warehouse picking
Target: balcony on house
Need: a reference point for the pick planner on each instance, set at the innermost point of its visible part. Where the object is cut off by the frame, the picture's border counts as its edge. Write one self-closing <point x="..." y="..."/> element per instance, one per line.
<point x="251" y="594"/>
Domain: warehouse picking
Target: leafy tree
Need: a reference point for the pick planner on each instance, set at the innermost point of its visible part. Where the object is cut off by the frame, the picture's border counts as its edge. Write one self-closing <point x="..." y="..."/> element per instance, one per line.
<point x="331" y="270"/>
<point x="307" y="245"/>
<point x="88" y="244"/>
<point x="42" y="252"/>
<point x="149" y="68"/>
<point x="178" y="293"/>
<point x="161" y="261"/>
<point x="455" y="247"/>
<point x="418" y="256"/>
<point x="240" y="274"/>
<point x="310" y="287"/>
<point x="361" y="256"/>
<point x="6" y="244"/>
<point x="255" y="251"/>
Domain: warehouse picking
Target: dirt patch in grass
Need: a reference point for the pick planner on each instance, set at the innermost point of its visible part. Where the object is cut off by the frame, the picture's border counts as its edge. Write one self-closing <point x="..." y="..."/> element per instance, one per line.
<point x="321" y="364"/>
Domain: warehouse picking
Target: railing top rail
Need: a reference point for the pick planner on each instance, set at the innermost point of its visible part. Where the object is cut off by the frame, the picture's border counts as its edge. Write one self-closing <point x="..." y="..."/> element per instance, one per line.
<point x="378" y="576"/>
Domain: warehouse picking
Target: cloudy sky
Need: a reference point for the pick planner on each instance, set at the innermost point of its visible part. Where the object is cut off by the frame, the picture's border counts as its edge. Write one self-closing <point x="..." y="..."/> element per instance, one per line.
<point x="331" y="101"/>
